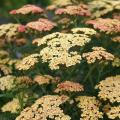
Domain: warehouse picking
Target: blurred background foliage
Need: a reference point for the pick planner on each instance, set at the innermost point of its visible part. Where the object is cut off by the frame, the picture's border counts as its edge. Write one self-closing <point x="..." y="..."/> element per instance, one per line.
<point x="7" y="5"/>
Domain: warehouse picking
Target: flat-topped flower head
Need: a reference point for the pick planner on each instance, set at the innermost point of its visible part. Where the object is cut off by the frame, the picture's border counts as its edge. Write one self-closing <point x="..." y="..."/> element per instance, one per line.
<point x="41" y="25"/>
<point x="45" y="79"/>
<point x="110" y="89"/>
<point x="74" y="10"/>
<point x="46" y="107"/>
<point x="28" y="62"/>
<point x="57" y="49"/>
<point x="26" y="9"/>
<point x="98" y="54"/>
<point x="69" y="87"/>
<point x="102" y="7"/>
<point x="114" y="112"/>
<point x="109" y="26"/>
<point x="9" y="31"/>
<point x="89" y="107"/>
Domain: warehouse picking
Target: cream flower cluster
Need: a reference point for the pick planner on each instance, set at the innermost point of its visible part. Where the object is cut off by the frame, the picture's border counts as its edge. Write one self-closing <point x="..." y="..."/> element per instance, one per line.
<point x="110" y="89"/>
<point x="98" y="53"/>
<point x="69" y="87"/>
<point x="102" y="7"/>
<point x="57" y="51"/>
<point x="114" y="112"/>
<point x="9" y="31"/>
<point x="28" y="62"/>
<point x="46" y="107"/>
<point x="5" y="69"/>
<point x="45" y="79"/>
<point x="89" y="107"/>
<point x="26" y="9"/>
<point x="12" y="106"/>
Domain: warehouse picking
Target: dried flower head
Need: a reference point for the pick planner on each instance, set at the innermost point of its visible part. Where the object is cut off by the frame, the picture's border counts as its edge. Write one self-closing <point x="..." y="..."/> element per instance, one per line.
<point x="110" y="89"/>
<point x="46" y="107"/>
<point x="69" y="87"/>
<point x="9" y="32"/>
<point x="98" y="53"/>
<point x="57" y="51"/>
<point x="116" y="62"/>
<point x="45" y="79"/>
<point x="102" y="7"/>
<point x="3" y="54"/>
<point x="41" y="25"/>
<point x="116" y="39"/>
<point x="5" y="69"/>
<point x="86" y="31"/>
<point x="12" y="106"/>
<point x="114" y="112"/>
<point x="26" y="9"/>
<point x="107" y="25"/>
<point x="28" y="62"/>
<point x="116" y="16"/>
<point x="89" y="107"/>
<point x="80" y="10"/>
<point x="7" y="82"/>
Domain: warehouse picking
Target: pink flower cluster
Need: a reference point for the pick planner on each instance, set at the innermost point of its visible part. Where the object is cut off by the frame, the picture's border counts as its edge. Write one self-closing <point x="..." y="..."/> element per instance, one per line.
<point x="41" y="25"/>
<point x="80" y="10"/>
<point x="106" y="25"/>
<point x="26" y="9"/>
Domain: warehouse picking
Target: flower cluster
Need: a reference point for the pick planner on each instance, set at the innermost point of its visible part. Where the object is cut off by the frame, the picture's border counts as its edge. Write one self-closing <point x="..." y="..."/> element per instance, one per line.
<point x="116" y="39"/>
<point x="9" y="31"/>
<point x="26" y="9"/>
<point x="80" y="10"/>
<point x="114" y="112"/>
<point x="12" y="106"/>
<point x="57" y="52"/>
<point x="89" y="107"/>
<point x="41" y="25"/>
<point x="102" y="7"/>
<point x="110" y="89"/>
<point x="98" y="53"/>
<point x="45" y="79"/>
<point x="46" y="107"/>
<point x="116" y="62"/>
<point x="107" y="25"/>
<point x="28" y="62"/>
<point x="69" y="87"/>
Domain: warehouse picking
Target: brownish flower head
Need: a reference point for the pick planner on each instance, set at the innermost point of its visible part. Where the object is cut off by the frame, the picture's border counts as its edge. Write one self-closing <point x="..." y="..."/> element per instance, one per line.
<point x="41" y="25"/>
<point x="26" y="9"/>
<point x="114" y="112"/>
<point x="98" y="53"/>
<point x="45" y="79"/>
<point x="80" y="10"/>
<point x="57" y="49"/>
<point x="46" y="107"/>
<point x="69" y="87"/>
<point x="107" y="25"/>
<point x="28" y="62"/>
<point x="110" y="89"/>
<point x="116" y="39"/>
<point x="89" y="107"/>
<point x="116" y="16"/>
<point x="51" y="7"/>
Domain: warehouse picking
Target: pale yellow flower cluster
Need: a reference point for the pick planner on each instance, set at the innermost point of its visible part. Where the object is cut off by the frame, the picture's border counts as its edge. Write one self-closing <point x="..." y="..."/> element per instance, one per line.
<point x="45" y="79"/>
<point x="86" y="31"/>
<point x="63" y="3"/>
<point x="69" y="87"/>
<point x="114" y="112"/>
<point x="110" y="89"/>
<point x="116" y="62"/>
<point x="12" y="106"/>
<point x="89" y="107"/>
<point x="7" y="82"/>
<point x="5" y="69"/>
<point x="46" y="107"/>
<point x="102" y="7"/>
<point x="28" y="62"/>
<point x="57" y="51"/>
<point x="98" y="53"/>
<point x="9" y="31"/>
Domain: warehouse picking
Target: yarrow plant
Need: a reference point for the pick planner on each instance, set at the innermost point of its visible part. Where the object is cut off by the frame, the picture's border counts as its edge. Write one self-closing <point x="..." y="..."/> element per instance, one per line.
<point x="61" y="62"/>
